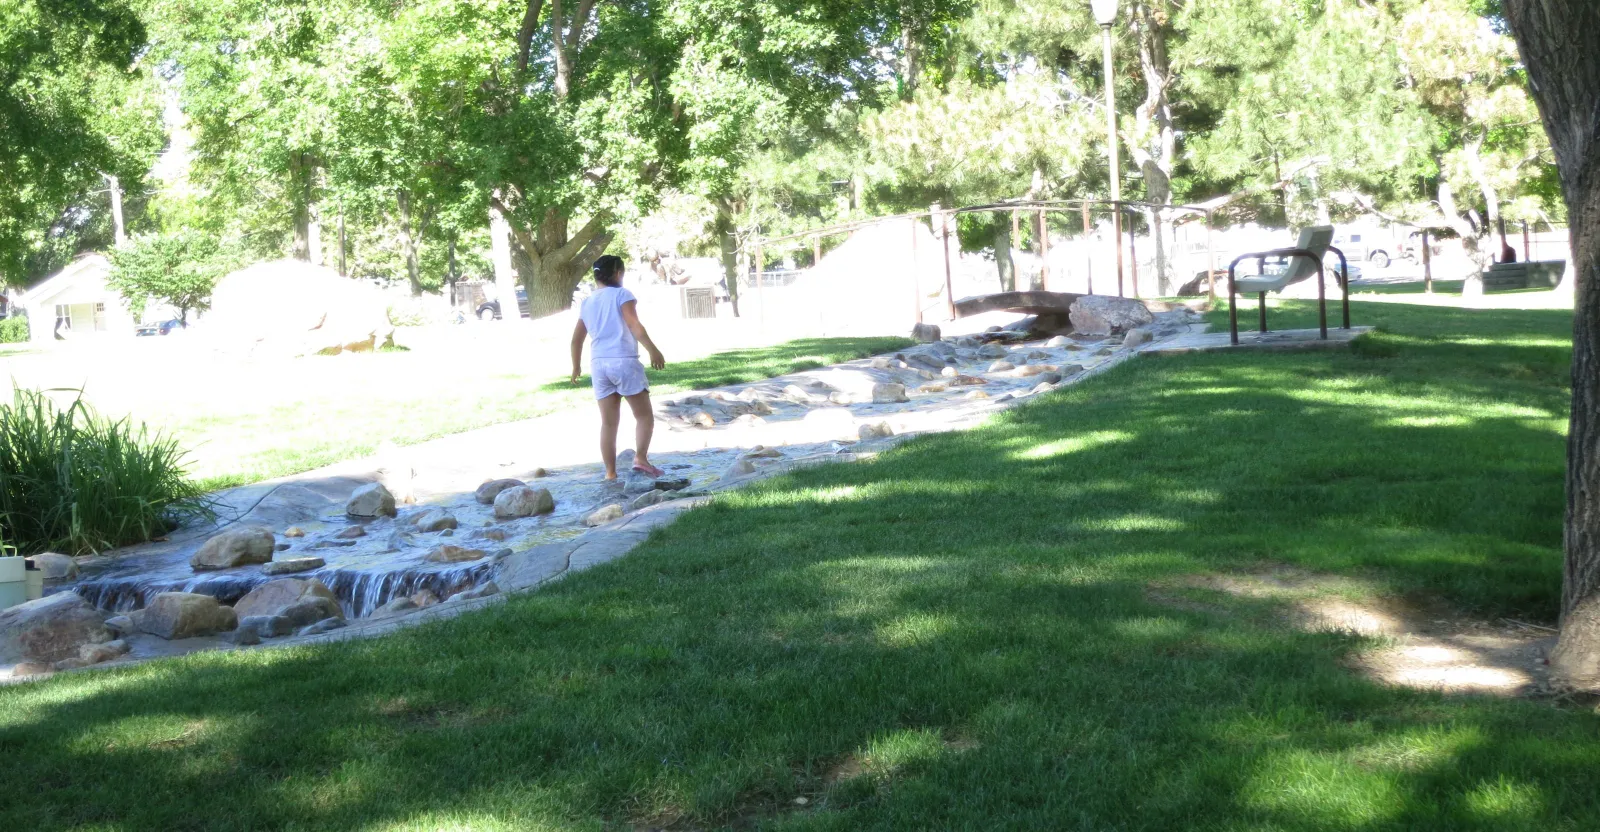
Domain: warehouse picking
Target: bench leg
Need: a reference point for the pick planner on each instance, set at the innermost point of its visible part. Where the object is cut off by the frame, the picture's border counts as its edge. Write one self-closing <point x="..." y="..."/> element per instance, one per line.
<point x="1261" y="306"/>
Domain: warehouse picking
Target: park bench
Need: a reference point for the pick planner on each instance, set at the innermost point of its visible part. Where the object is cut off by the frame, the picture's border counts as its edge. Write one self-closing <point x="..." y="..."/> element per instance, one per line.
<point x="1299" y="263"/>
<point x="1538" y="274"/>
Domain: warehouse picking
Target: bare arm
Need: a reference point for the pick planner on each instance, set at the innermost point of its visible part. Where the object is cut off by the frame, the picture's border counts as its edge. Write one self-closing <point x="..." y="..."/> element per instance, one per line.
<point x="579" y="333"/>
<point x="630" y="316"/>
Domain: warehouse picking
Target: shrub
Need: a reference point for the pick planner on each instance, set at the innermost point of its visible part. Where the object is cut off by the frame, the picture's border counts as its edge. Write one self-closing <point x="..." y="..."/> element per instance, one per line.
<point x="14" y="330"/>
<point x="75" y="482"/>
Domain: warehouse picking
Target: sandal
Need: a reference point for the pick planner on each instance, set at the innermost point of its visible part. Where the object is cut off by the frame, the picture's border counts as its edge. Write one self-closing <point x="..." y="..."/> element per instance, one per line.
<point x="649" y="470"/>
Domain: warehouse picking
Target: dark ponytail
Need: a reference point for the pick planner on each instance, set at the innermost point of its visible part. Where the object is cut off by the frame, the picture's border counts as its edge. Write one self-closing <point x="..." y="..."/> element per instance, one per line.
<point x="608" y="270"/>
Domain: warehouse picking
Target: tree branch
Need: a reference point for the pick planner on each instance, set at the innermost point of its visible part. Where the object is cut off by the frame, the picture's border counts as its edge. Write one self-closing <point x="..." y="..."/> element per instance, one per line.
<point x="580" y="21"/>
<point x="1217" y="203"/>
<point x="523" y="238"/>
<point x="558" y="26"/>
<point x="588" y="232"/>
<point x="530" y="25"/>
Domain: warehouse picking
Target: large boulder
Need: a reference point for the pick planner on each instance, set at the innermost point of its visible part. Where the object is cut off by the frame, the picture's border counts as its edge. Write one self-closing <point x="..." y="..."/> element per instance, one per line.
<point x="177" y="615"/>
<point x="370" y="500"/>
<point x="1108" y="315"/>
<point x="50" y="629"/>
<point x="294" y="308"/>
<point x="523" y="502"/>
<point x="491" y="489"/>
<point x="433" y="520"/>
<point x="235" y="547"/>
<point x="274" y="597"/>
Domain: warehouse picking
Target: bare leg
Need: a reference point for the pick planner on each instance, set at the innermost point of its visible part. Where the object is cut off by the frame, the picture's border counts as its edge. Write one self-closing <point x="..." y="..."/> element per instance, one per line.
<point x="644" y="419"/>
<point x="610" y="416"/>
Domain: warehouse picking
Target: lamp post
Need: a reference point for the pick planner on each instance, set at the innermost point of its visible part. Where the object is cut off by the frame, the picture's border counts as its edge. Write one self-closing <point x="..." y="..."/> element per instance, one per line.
<point x="1105" y="13"/>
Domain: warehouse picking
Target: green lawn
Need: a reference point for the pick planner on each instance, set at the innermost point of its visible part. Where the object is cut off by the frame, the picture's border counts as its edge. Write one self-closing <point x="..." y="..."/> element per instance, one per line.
<point x="959" y="634"/>
<point x="235" y="448"/>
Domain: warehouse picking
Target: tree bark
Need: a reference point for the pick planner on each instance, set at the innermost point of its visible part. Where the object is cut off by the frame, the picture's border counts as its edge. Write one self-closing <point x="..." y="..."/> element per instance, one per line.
<point x="728" y="247"/>
<point x="300" y="203"/>
<point x="551" y="262"/>
<point x="1560" y="45"/>
<point x="1002" y="255"/>
<point x="1157" y="148"/>
<point x="408" y="242"/>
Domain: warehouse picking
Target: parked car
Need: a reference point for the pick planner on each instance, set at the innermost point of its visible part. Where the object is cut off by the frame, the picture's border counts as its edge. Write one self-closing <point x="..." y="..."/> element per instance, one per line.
<point x="1372" y="245"/>
<point x="490" y="310"/>
<point x="159" y="328"/>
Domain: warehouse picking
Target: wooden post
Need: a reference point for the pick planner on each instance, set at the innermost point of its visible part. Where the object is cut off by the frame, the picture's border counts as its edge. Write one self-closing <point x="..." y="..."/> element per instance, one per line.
<point x="1044" y="246"/>
<point x="1211" y="262"/>
<point x="816" y="250"/>
<point x="1133" y="258"/>
<point x="916" y="287"/>
<point x="949" y="286"/>
<point x="1088" y="258"/>
<point x="1427" y="264"/>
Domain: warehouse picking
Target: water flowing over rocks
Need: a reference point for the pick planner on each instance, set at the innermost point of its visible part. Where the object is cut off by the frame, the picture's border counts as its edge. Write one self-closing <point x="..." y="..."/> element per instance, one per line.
<point x="455" y="554"/>
<point x="273" y="597"/>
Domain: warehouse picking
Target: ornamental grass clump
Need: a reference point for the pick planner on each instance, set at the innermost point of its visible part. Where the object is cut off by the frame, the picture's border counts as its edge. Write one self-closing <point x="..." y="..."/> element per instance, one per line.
<point x="76" y="482"/>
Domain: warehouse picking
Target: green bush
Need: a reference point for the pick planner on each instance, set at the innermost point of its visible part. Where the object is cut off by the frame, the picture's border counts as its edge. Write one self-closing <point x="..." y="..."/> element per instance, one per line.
<point x="14" y="330"/>
<point x="75" y="482"/>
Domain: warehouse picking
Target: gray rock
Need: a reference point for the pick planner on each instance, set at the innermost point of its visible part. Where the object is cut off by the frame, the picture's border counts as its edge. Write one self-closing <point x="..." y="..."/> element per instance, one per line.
<point x="1039" y="355"/>
<point x="180" y="615"/>
<point x="267" y="626"/>
<point x="50" y="629"/>
<point x="1104" y="351"/>
<point x="644" y="501"/>
<point x="1071" y="369"/>
<point x="523" y="502"/>
<point x="923" y="361"/>
<point x="991" y="351"/>
<point x="749" y="420"/>
<point x="1106" y="314"/>
<point x="294" y="531"/>
<point x="1050" y="378"/>
<point x="1001" y="367"/>
<point x="636" y="484"/>
<point x="289" y="566"/>
<point x="1042" y="387"/>
<point x="881" y="363"/>
<point x="482" y="591"/>
<point x="55" y="567"/>
<point x="926" y="333"/>
<point x="1136" y="336"/>
<point x="878" y="431"/>
<point x="604" y="515"/>
<point x="739" y="469"/>
<point x="424" y="598"/>
<point x="351" y="533"/>
<point x="370" y="500"/>
<point x="841" y="398"/>
<point x="1058" y="342"/>
<point x="671" y="483"/>
<point x="98" y="653"/>
<point x="273" y="597"/>
<point x="949" y="372"/>
<point x="311" y="610"/>
<point x="496" y="535"/>
<point x="398" y="541"/>
<point x="434" y="520"/>
<point x="31" y="668"/>
<point x="243" y="637"/>
<point x="120" y="625"/>
<point x="394" y="607"/>
<point x="1031" y="370"/>
<point x="324" y="626"/>
<point x="540" y="473"/>
<point x="282" y="547"/>
<point x="454" y="554"/>
<point x="888" y="393"/>
<point x="235" y="547"/>
<point x="491" y="489"/>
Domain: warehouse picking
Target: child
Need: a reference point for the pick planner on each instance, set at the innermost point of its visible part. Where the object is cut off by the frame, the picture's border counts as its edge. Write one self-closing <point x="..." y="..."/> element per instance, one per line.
<point x="610" y="318"/>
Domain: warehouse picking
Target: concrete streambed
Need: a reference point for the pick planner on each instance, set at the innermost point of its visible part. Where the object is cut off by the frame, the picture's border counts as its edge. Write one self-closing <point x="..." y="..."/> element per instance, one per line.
<point x="706" y="437"/>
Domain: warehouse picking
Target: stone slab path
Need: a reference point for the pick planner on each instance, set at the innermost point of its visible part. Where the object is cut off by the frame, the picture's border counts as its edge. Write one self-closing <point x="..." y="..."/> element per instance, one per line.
<point x="831" y="414"/>
<point x="1282" y="339"/>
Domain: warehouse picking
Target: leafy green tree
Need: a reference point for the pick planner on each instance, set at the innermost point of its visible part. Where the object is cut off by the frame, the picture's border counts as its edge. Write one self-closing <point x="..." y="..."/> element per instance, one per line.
<point x="179" y="269"/>
<point x="74" y="107"/>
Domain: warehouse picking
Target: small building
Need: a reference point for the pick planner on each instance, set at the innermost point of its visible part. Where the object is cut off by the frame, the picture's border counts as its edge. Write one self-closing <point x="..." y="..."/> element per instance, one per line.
<point x="77" y="302"/>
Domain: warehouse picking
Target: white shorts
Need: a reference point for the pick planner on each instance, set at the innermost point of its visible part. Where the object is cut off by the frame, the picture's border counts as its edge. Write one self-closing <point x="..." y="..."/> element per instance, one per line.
<point x="623" y="376"/>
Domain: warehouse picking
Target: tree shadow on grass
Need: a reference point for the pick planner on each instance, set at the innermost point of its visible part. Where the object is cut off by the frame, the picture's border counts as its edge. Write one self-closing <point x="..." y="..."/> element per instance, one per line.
<point x="956" y="635"/>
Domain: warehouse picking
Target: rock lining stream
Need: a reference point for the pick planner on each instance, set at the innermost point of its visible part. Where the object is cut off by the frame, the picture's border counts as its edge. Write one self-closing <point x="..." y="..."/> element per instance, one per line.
<point x="707" y="438"/>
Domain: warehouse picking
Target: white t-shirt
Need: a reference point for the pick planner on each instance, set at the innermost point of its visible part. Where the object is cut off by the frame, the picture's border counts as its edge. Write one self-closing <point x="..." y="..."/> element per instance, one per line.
<point x="602" y="316"/>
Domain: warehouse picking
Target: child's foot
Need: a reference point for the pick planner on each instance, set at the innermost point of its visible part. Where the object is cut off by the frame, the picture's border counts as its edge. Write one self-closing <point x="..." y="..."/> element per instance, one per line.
<point x="648" y="470"/>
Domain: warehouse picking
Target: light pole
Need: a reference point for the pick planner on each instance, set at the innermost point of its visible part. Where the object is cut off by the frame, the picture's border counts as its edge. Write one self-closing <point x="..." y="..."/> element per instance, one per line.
<point x="1105" y="13"/>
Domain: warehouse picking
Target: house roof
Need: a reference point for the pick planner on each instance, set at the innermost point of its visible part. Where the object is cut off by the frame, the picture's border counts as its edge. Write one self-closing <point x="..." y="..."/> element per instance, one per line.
<point x="87" y="267"/>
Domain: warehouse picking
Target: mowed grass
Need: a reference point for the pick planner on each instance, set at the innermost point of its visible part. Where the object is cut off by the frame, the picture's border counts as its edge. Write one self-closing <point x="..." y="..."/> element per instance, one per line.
<point x="274" y="440"/>
<point x="959" y="634"/>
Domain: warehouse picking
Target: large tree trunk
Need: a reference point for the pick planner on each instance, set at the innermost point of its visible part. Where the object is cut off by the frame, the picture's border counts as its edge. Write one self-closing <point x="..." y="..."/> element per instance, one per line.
<point x="300" y="170"/>
<point x="551" y="261"/>
<point x="1560" y="44"/>
<point x="1002" y="255"/>
<point x="408" y="242"/>
<point x="1157" y="148"/>
<point x="728" y="247"/>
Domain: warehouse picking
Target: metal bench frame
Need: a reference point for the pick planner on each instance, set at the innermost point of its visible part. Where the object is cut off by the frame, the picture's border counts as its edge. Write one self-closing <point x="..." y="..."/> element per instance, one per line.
<point x="1322" y="301"/>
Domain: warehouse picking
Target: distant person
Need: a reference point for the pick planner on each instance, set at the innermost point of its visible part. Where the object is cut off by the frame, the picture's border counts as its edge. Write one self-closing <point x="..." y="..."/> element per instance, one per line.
<point x="610" y="318"/>
<point x="1507" y="253"/>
